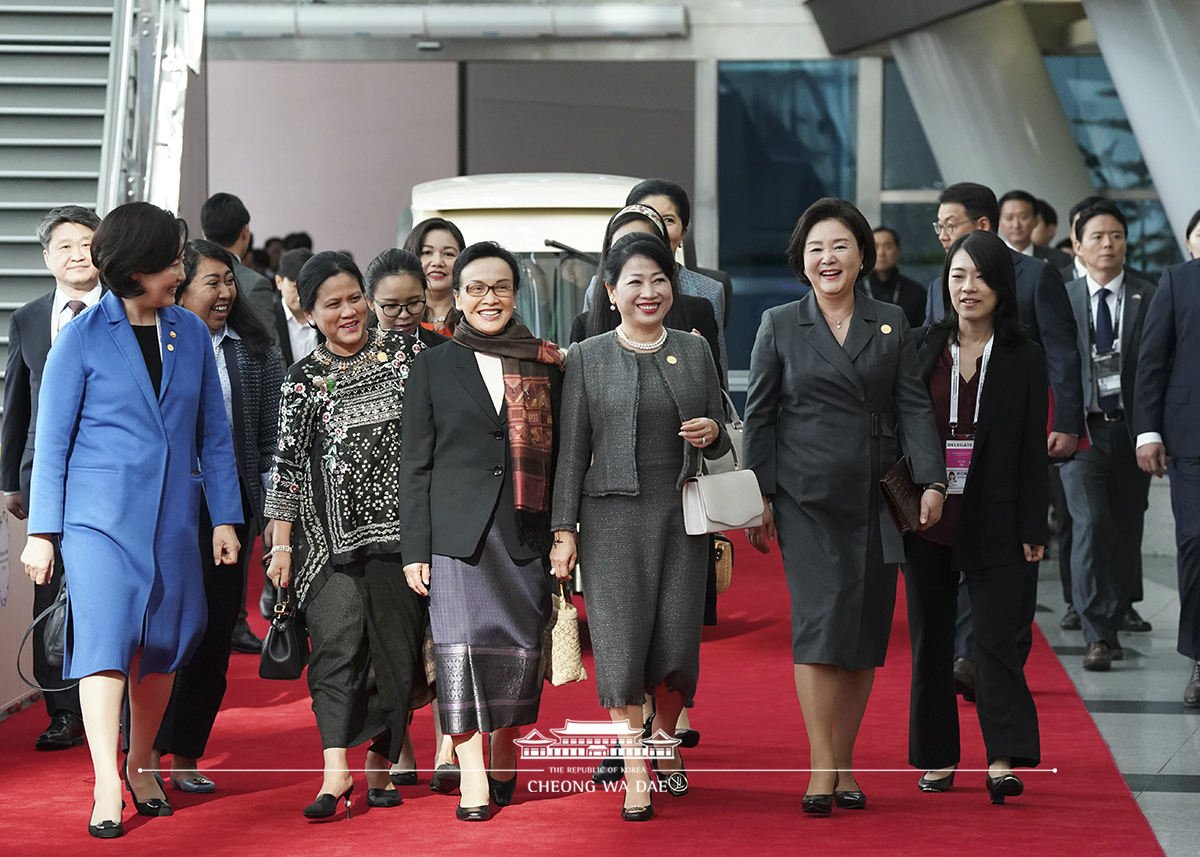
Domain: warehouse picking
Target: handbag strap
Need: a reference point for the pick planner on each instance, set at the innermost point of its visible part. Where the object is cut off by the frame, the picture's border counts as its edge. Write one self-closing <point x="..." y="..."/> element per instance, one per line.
<point x="61" y="599"/>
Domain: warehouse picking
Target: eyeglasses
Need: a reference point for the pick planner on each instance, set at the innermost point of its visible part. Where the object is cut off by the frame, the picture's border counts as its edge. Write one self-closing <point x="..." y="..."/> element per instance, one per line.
<point x="393" y="310"/>
<point x="947" y="228"/>
<point x="503" y="289"/>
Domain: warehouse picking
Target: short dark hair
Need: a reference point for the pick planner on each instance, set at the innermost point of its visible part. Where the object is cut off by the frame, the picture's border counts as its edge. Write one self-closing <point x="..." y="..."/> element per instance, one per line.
<point x="1046" y="211"/>
<point x="1103" y="207"/>
<point x="1021" y="196"/>
<point x="222" y="218"/>
<point x="273" y="239"/>
<point x="56" y="217"/>
<point x="601" y="316"/>
<point x="318" y="269"/>
<point x="976" y="199"/>
<point x="890" y="231"/>
<point x="1086" y="202"/>
<point x="995" y="265"/>
<point x="292" y="261"/>
<point x="1192" y="224"/>
<point x="242" y="317"/>
<point x="485" y="250"/>
<point x="416" y="236"/>
<point x="663" y="187"/>
<point x="136" y="238"/>
<point x="393" y="262"/>
<point x="1064" y="245"/>
<point x="297" y="240"/>
<point x="844" y="213"/>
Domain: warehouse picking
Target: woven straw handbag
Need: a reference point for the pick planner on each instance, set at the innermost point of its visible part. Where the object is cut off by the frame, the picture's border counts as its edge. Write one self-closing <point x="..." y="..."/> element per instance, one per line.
<point x="562" y="658"/>
<point x="724" y="551"/>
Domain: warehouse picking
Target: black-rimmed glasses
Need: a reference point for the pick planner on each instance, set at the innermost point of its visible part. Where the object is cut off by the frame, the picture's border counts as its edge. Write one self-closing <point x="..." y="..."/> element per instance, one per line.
<point x="416" y="307"/>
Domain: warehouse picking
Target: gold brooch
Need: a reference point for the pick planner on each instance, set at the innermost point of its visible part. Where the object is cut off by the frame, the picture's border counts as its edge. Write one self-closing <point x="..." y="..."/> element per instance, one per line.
<point x="671" y="359"/>
<point x="382" y="357"/>
<point x="887" y="328"/>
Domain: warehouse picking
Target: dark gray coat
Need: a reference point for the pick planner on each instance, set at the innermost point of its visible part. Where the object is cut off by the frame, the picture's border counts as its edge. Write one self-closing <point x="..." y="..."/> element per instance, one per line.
<point x="823" y="423"/>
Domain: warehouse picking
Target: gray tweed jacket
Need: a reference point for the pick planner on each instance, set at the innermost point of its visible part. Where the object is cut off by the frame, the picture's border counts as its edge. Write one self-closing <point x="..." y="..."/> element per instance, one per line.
<point x="598" y="420"/>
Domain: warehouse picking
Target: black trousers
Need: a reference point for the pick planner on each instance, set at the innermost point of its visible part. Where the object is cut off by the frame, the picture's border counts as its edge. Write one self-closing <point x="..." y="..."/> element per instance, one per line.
<point x="44" y="674"/>
<point x="1185" y="503"/>
<point x="200" y="685"/>
<point x="1007" y="715"/>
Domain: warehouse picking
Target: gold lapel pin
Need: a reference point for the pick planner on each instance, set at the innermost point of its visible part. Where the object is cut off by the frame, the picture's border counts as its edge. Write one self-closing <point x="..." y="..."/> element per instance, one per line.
<point x="1137" y="297"/>
<point x="887" y="328"/>
<point x="672" y="359"/>
<point x="170" y="347"/>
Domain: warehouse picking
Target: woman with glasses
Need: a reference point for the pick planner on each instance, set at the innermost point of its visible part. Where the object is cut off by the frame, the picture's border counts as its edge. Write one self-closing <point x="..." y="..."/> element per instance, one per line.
<point x="480" y="433"/>
<point x="398" y="293"/>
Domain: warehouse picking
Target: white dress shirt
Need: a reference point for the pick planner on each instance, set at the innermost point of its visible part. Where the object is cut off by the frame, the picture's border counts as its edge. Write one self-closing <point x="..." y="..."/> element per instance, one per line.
<point x="301" y="335"/>
<point x="60" y="313"/>
<point x="1116" y="294"/>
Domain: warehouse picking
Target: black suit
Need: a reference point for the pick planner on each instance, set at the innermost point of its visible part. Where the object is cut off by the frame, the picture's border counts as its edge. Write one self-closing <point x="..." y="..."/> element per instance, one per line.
<point x="455" y="464"/>
<point x="902" y="291"/>
<point x="1105" y="490"/>
<point x="1052" y="256"/>
<point x="28" y="345"/>
<point x="1167" y="402"/>
<point x="1004" y="505"/>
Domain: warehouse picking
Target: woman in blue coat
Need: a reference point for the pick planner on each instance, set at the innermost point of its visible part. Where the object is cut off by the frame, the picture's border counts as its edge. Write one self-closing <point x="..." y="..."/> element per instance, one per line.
<point x="131" y="427"/>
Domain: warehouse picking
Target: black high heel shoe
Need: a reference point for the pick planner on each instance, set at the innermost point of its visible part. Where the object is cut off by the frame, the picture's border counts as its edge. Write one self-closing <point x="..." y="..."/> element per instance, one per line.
<point x="383" y="798"/>
<point x="502" y="791"/>
<point x="106" y="829"/>
<point x="638" y="813"/>
<point x="850" y="799"/>
<point x="819" y="804"/>
<point x="325" y="806"/>
<point x="942" y="784"/>
<point x="473" y="813"/>
<point x="155" y="807"/>
<point x="1005" y="786"/>
<point x="403" y="778"/>
<point x="446" y="778"/>
<point x="675" y="782"/>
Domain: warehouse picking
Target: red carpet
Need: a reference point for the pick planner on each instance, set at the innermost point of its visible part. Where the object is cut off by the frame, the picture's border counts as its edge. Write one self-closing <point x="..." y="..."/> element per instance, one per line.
<point x="748" y="718"/>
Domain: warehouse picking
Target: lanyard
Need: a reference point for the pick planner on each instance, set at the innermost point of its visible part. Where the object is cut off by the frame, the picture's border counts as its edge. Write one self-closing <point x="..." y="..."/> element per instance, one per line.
<point x="955" y="378"/>
<point x="1116" y="319"/>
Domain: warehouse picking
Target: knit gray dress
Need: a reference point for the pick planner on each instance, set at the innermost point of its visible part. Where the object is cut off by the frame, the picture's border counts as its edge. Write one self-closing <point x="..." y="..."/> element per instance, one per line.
<point x="643" y="577"/>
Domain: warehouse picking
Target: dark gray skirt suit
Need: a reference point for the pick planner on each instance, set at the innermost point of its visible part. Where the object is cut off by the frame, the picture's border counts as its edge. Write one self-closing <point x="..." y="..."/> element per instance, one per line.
<point x="824" y="422"/>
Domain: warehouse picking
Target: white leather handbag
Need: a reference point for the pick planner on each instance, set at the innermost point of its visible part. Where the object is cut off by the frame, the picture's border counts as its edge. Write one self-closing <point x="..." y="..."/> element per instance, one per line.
<point x="733" y="426"/>
<point x="714" y="503"/>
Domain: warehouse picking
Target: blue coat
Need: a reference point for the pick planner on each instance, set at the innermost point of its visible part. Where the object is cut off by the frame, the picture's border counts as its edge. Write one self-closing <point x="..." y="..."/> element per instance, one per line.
<point x="118" y="474"/>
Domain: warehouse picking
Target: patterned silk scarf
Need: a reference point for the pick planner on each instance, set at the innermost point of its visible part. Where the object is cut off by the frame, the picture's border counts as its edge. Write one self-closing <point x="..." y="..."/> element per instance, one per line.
<point x="526" y="362"/>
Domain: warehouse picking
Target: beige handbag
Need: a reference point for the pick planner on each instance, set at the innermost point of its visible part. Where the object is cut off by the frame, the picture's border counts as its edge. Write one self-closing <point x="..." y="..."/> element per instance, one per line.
<point x="721" y="501"/>
<point x="562" y="659"/>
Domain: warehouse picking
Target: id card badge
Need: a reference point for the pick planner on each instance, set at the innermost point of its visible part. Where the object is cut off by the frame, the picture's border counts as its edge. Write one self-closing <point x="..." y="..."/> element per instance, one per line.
<point x="1106" y="369"/>
<point x="958" y="462"/>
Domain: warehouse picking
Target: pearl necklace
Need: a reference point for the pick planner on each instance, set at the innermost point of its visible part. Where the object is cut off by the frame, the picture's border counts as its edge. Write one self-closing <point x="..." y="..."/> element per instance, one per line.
<point x="643" y="346"/>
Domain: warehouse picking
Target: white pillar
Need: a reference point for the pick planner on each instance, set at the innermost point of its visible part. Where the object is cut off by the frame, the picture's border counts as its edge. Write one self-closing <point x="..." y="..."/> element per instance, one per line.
<point x="705" y="229"/>
<point x="988" y="108"/>
<point x="1152" y="50"/>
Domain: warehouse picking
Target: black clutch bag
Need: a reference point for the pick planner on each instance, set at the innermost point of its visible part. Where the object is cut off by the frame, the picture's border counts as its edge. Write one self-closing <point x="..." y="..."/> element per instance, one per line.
<point x="285" y="649"/>
<point x="903" y="497"/>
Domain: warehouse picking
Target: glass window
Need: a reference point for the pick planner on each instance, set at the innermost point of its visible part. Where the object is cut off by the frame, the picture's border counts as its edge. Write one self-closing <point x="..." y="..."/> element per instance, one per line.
<point x="921" y="254"/>
<point x="1152" y="244"/>
<point x="908" y="162"/>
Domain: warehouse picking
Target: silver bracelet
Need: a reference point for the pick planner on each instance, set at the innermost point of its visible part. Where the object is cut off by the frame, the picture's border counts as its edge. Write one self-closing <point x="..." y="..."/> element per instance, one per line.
<point x="279" y="549"/>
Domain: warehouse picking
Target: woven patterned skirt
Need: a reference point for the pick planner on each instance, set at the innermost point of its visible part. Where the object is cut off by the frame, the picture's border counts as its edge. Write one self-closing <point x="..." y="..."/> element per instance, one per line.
<point x="487" y="613"/>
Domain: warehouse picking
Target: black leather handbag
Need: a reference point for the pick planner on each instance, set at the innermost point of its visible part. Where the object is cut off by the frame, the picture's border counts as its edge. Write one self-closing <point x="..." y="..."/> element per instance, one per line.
<point x="54" y="638"/>
<point x="285" y="649"/>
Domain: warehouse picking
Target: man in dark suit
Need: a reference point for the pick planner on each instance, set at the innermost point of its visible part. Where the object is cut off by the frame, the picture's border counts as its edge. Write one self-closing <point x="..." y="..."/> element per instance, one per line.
<point x="1106" y="492"/>
<point x="1018" y="221"/>
<point x="225" y="221"/>
<point x="886" y="282"/>
<point x="297" y="338"/>
<point x="1045" y="225"/>
<point x="66" y="236"/>
<point x="1046" y="309"/>
<point x="1166" y="418"/>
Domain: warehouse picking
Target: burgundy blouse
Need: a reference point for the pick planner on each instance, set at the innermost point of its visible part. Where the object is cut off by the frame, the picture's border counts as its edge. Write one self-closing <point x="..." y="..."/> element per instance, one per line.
<point x="945" y="530"/>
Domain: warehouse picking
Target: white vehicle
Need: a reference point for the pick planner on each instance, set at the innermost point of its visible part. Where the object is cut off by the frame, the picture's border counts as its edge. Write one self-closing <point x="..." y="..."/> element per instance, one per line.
<point x="552" y="222"/>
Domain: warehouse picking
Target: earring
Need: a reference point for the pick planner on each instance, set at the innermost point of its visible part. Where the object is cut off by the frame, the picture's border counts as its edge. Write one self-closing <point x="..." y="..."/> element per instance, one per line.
<point x="613" y="307"/>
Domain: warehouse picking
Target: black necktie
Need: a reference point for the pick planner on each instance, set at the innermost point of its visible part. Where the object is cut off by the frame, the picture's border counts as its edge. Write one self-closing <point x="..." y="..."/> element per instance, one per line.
<point x="1104" y="344"/>
<point x="76" y="307"/>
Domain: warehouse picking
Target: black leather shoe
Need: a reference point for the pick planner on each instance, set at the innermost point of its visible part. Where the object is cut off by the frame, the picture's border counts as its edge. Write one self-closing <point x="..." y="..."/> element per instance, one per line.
<point x="445" y="778"/>
<point x="850" y="800"/>
<point x="154" y="808"/>
<point x="817" y="804"/>
<point x="325" y="806"/>
<point x="939" y="785"/>
<point x="610" y="770"/>
<point x="1116" y="652"/>
<point x="675" y="782"/>
<point x="502" y="791"/>
<point x="473" y="813"/>
<point x="1098" y="658"/>
<point x="1133" y="621"/>
<point x="403" y="778"/>
<point x="107" y="829"/>
<point x="637" y="813"/>
<point x="688" y="738"/>
<point x="1005" y="786"/>
<point x="964" y="679"/>
<point x="1070" y="620"/>
<point x="383" y="798"/>
<point x="64" y="732"/>
<point x="245" y="642"/>
<point x="1191" y="693"/>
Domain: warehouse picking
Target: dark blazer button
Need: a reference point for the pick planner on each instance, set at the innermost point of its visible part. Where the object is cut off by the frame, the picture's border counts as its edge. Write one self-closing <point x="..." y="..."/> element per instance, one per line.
<point x="498" y="434"/>
<point x="497" y="470"/>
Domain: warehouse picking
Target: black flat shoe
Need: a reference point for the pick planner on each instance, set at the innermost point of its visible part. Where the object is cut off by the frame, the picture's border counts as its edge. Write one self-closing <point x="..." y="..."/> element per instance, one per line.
<point x="676" y="782"/>
<point x="1005" y="786"/>
<point x="941" y="785"/>
<point x="107" y="829"/>
<point x="611" y="770"/>
<point x="403" y="778"/>
<point x="502" y="791"/>
<point x="154" y="808"/>
<point x="850" y="800"/>
<point x="637" y="813"/>
<point x="325" y="806"/>
<point x="688" y="738"/>
<point x="383" y="798"/>
<point x="473" y="813"/>
<point x="445" y="778"/>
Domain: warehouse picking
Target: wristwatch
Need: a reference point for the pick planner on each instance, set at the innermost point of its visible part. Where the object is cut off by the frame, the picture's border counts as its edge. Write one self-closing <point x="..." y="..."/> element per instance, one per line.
<point x="938" y="487"/>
